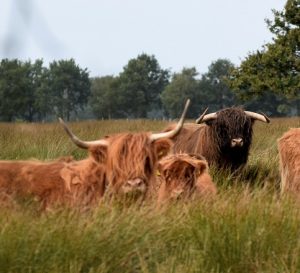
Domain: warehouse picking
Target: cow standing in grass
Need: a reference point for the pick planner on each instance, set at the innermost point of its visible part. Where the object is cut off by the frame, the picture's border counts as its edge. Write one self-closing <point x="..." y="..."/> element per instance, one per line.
<point x="184" y="176"/>
<point x="289" y="156"/>
<point x="224" y="140"/>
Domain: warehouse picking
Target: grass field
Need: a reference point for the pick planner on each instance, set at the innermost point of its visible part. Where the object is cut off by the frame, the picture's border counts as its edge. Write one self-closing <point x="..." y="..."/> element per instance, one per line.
<point x="247" y="228"/>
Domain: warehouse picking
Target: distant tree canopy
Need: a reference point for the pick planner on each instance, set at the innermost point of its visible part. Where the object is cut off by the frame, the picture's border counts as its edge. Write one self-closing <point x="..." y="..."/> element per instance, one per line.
<point x="104" y="97"/>
<point x="208" y="91"/>
<point x="32" y="92"/>
<point x="29" y="91"/>
<point x="135" y="93"/>
<point x="69" y="86"/>
<point x="140" y="85"/>
<point x="276" y="67"/>
<point x="183" y="85"/>
<point x="216" y="93"/>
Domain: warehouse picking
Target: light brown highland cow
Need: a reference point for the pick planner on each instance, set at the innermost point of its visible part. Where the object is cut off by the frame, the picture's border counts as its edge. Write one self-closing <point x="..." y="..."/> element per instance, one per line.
<point x="123" y="163"/>
<point x="184" y="176"/>
<point x="289" y="156"/>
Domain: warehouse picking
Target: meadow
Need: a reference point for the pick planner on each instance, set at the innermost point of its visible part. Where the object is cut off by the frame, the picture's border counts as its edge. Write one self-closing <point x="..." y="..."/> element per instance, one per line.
<point x="249" y="227"/>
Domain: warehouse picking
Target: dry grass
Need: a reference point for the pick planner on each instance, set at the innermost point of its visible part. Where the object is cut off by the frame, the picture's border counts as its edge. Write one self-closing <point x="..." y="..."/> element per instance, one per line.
<point x="247" y="228"/>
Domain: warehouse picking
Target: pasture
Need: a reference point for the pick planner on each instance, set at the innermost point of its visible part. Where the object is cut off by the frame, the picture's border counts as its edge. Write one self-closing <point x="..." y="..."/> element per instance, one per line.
<point x="247" y="228"/>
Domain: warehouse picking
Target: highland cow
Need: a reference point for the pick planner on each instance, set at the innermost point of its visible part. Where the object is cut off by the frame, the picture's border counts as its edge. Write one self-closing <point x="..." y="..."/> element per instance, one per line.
<point x="184" y="176"/>
<point x="61" y="181"/>
<point x="289" y="156"/>
<point x="122" y="163"/>
<point x="130" y="158"/>
<point x="224" y="140"/>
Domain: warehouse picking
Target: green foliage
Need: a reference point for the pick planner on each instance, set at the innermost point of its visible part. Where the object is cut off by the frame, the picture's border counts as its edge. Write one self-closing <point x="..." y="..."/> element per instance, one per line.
<point x="104" y="97"/>
<point x="213" y="85"/>
<point x="140" y="86"/>
<point x="17" y="81"/>
<point x="211" y="90"/>
<point x="135" y="93"/>
<point x="29" y="91"/>
<point x="276" y="67"/>
<point x="183" y="85"/>
<point x="69" y="86"/>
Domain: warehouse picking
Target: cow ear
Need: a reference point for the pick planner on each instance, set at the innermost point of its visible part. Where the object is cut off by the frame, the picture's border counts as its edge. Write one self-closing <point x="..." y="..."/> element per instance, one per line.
<point x="200" y="167"/>
<point x="209" y="122"/>
<point x="162" y="147"/>
<point x="99" y="153"/>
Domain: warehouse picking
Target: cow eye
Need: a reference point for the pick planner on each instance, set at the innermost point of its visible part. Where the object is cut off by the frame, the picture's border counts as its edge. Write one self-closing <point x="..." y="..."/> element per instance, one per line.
<point x="148" y="165"/>
<point x="188" y="173"/>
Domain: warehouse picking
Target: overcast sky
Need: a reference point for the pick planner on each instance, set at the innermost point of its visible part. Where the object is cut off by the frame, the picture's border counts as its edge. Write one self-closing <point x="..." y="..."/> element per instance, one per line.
<point x="104" y="35"/>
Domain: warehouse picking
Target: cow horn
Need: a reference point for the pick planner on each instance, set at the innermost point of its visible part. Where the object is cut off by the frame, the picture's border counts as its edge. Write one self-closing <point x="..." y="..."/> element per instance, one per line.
<point x="204" y="118"/>
<point x="80" y="143"/>
<point x="262" y="117"/>
<point x="176" y="130"/>
<point x="198" y="120"/>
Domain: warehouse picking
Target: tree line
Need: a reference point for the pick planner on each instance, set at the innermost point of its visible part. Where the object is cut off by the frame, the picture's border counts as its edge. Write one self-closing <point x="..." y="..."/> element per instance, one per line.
<point x="267" y="80"/>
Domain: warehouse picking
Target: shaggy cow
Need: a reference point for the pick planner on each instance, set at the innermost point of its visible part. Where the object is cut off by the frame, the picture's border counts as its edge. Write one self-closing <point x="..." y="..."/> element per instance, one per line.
<point x="62" y="181"/>
<point x="289" y="155"/>
<point x="124" y="163"/>
<point x="130" y="158"/>
<point x="184" y="176"/>
<point x="224" y="140"/>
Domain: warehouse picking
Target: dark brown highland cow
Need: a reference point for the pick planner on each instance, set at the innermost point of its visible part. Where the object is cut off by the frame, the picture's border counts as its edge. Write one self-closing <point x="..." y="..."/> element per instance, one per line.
<point x="289" y="156"/>
<point x="184" y="176"/>
<point x="224" y="140"/>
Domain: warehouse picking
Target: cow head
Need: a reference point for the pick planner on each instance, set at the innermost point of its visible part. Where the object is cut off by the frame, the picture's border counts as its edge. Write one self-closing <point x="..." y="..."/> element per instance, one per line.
<point x="129" y="158"/>
<point x="232" y="127"/>
<point x="182" y="175"/>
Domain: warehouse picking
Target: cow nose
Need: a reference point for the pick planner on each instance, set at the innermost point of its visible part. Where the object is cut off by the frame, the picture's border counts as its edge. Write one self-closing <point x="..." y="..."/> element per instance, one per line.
<point x="237" y="142"/>
<point x="177" y="193"/>
<point x="135" y="182"/>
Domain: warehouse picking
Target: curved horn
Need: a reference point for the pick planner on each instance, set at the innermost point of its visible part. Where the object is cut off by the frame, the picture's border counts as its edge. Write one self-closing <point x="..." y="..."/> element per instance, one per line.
<point x="198" y="120"/>
<point x="262" y="117"/>
<point x="176" y="130"/>
<point x="80" y="143"/>
<point x="204" y="118"/>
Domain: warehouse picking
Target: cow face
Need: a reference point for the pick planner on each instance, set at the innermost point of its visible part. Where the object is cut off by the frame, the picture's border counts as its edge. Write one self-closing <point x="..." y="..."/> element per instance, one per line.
<point x="180" y="174"/>
<point x="232" y="129"/>
<point x="131" y="159"/>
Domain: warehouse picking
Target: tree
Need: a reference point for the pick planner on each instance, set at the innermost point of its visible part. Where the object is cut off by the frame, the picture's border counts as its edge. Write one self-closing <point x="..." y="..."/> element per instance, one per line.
<point x="276" y="67"/>
<point x="35" y="76"/>
<point x="104" y="97"/>
<point x="140" y="86"/>
<point x="183" y="85"/>
<point x="214" y="87"/>
<point x="14" y="89"/>
<point x="69" y="86"/>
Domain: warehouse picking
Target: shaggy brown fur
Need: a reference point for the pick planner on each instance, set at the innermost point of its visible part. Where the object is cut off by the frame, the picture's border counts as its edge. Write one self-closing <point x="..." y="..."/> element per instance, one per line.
<point x="126" y="165"/>
<point x="63" y="181"/>
<point x="212" y="140"/>
<point x="184" y="176"/>
<point x="289" y="155"/>
<point x="131" y="157"/>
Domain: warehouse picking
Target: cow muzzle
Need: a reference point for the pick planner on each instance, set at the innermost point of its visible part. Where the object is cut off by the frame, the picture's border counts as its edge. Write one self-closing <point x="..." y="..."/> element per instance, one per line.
<point x="237" y="142"/>
<point x="136" y="185"/>
<point x="177" y="194"/>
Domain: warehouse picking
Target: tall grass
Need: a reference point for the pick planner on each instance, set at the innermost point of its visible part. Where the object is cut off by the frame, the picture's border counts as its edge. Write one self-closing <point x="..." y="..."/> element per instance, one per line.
<point x="247" y="228"/>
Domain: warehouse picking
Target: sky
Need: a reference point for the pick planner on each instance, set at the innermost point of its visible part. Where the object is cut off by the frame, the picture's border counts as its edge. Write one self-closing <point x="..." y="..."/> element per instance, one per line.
<point x="103" y="36"/>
